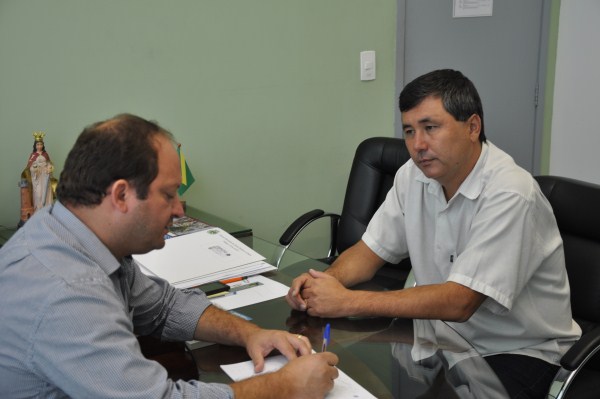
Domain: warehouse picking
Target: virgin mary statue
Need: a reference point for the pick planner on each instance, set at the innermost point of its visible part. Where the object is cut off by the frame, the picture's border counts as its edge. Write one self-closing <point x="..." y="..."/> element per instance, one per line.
<point x="38" y="174"/>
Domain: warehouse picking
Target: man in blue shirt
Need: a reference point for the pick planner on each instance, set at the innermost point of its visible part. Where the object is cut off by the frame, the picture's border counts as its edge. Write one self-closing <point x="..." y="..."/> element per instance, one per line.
<point x="73" y="299"/>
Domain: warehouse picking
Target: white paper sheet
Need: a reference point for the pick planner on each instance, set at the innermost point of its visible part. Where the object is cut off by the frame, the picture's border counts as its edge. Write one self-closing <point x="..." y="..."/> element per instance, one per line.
<point x="245" y="270"/>
<point x="201" y="257"/>
<point x="344" y="387"/>
<point x="267" y="290"/>
<point x="472" y="8"/>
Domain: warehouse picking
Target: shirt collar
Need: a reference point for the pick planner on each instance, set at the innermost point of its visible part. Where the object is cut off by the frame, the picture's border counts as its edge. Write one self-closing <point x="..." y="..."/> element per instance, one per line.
<point x="473" y="184"/>
<point x="86" y="240"/>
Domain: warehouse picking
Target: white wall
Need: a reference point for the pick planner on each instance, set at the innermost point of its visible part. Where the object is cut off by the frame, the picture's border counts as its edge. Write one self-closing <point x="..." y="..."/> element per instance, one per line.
<point x="575" y="142"/>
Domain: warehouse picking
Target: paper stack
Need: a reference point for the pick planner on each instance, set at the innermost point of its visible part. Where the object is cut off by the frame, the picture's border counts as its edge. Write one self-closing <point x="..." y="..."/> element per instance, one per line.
<point x="203" y="256"/>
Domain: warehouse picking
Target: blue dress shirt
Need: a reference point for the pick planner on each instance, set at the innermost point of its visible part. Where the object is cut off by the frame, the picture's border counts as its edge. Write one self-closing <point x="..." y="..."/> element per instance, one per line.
<point x="70" y="312"/>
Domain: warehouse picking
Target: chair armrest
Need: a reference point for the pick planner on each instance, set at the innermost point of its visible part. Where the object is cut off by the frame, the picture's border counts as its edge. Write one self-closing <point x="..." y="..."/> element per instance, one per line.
<point x="297" y="225"/>
<point x="294" y="229"/>
<point x="573" y="361"/>
<point x="582" y="350"/>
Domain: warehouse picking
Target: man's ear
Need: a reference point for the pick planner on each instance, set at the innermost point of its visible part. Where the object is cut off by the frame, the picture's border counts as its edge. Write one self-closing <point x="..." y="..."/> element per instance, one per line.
<point x="120" y="192"/>
<point x="474" y="122"/>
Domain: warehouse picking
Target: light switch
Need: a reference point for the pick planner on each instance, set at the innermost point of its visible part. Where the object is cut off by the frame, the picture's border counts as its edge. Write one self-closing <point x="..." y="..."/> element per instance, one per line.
<point x="367" y="65"/>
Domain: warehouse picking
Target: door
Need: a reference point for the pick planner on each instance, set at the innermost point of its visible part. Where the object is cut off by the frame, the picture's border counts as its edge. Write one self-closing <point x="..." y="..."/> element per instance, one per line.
<point x="500" y="54"/>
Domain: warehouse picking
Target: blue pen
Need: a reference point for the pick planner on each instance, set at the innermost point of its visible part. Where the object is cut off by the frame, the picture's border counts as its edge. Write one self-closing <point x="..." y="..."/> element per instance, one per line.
<point x="326" y="335"/>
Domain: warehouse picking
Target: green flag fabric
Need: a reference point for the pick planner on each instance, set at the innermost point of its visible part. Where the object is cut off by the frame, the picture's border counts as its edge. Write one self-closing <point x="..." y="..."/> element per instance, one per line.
<point x="186" y="175"/>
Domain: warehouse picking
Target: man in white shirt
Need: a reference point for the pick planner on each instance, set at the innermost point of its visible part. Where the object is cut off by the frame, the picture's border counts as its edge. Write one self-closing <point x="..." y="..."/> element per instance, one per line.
<point x="486" y="252"/>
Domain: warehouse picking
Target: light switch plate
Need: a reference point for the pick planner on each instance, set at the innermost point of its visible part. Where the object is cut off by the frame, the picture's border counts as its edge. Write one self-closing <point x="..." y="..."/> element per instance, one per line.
<point x="367" y="65"/>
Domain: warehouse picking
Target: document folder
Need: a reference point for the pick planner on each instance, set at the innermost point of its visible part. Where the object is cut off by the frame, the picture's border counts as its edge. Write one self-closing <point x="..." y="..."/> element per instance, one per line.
<point x="200" y="257"/>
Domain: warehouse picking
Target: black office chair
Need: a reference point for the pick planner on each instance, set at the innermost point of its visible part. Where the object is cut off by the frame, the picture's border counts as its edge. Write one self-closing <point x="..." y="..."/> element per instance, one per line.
<point x="375" y="164"/>
<point x="576" y="205"/>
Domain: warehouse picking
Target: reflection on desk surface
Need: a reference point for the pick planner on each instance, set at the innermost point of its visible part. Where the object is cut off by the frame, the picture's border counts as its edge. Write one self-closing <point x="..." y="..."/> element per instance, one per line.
<point x="391" y="358"/>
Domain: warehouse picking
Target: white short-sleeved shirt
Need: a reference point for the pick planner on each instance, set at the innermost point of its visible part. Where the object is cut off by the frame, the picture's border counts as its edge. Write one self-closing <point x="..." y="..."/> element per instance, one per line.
<point x="497" y="236"/>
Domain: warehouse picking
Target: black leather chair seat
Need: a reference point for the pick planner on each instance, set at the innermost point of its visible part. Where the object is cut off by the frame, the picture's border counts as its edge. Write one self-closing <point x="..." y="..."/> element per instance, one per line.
<point x="576" y="208"/>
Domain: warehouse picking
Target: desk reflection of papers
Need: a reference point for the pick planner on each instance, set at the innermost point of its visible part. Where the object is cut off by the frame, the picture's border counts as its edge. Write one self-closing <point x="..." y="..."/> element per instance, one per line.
<point x="344" y="387"/>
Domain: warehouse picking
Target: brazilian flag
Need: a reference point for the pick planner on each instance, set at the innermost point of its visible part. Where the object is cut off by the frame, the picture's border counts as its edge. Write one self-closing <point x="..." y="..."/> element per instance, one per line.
<point x="186" y="176"/>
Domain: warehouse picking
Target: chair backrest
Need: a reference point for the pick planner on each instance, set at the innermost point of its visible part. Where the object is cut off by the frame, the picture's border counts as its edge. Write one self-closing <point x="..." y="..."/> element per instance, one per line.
<point x="372" y="174"/>
<point x="576" y="206"/>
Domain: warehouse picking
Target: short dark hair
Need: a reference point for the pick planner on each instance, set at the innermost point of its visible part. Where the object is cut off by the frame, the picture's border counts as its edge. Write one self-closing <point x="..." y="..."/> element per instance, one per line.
<point x="118" y="148"/>
<point x="35" y="143"/>
<point x="458" y="94"/>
